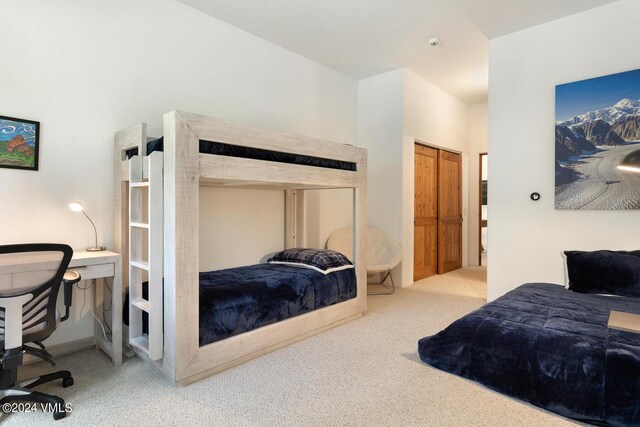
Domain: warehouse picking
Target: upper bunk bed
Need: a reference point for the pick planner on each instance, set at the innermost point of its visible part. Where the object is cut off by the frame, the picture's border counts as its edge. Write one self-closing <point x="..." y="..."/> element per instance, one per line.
<point x="222" y="149"/>
<point x="196" y="151"/>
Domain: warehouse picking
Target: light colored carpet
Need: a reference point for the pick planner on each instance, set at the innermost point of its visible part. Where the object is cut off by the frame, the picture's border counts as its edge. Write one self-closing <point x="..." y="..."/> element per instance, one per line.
<point x="366" y="372"/>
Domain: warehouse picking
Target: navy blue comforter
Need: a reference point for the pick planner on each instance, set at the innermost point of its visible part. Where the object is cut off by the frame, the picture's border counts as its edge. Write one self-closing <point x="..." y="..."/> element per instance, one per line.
<point x="551" y="347"/>
<point x="238" y="300"/>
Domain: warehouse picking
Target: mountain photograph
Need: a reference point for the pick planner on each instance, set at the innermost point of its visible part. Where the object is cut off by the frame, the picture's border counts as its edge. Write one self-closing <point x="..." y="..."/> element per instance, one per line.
<point x="597" y="125"/>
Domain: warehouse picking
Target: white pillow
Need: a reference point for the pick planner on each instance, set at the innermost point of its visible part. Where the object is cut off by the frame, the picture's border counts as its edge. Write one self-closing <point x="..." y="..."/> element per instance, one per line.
<point x="566" y="270"/>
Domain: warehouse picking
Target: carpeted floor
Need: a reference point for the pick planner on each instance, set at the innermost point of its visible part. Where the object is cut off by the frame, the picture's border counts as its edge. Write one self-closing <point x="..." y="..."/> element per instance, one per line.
<point x="366" y="372"/>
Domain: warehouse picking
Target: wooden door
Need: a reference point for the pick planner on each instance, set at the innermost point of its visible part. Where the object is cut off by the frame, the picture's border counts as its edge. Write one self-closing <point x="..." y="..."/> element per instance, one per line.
<point x="425" y="214"/>
<point x="449" y="211"/>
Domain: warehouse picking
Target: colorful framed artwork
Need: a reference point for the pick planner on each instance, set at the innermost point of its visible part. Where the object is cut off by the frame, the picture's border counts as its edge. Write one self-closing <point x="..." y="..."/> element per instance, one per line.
<point x="19" y="140"/>
<point x="597" y="126"/>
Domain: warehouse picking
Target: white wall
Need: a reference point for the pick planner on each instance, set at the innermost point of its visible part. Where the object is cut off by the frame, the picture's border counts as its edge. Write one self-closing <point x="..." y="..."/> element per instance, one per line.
<point x="478" y="143"/>
<point x="436" y="118"/>
<point x="527" y="237"/>
<point x="230" y="222"/>
<point x="380" y="122"/>
<point x="396" y="109"/>
<point x="327" y="211"/>
<point x="87" y="69"/>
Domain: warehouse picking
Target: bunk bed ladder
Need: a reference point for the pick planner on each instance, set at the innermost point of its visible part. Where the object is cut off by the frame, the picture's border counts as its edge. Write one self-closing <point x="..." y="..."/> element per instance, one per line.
<point x="146" y="254"/>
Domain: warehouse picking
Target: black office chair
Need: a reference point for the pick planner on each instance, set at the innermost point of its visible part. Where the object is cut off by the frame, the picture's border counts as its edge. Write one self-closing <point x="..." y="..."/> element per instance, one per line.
<point x="29" y="315"/>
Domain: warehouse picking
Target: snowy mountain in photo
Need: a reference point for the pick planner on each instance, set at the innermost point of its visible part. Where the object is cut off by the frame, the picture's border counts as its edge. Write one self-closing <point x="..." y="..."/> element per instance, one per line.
<point x="622" y="110"/>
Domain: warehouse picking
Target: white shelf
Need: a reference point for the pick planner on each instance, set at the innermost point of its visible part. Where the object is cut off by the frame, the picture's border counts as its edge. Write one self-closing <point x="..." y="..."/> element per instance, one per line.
<point x="143" y="265"/>
<point x="145" y="178"/>
<point x="141" y="343"/>
<point x="141" y="303"/>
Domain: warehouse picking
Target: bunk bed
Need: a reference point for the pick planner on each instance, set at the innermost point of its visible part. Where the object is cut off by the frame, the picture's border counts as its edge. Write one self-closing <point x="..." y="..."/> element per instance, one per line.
<point x="157" y="228"/>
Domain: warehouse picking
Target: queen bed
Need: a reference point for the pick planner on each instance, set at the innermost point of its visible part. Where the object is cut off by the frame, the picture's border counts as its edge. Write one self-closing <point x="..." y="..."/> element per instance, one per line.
<point x="552" y="346"/>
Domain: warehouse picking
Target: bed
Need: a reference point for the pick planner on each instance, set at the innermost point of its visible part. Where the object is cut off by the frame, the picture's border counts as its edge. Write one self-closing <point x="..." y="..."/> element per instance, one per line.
<point x="238" y="300"/>
<point x="157" y="225"/>
<point x="549" y="346"/>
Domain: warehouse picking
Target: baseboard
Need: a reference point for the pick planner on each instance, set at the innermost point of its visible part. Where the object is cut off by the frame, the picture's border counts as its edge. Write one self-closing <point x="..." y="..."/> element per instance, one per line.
<point x="63" y="349"/>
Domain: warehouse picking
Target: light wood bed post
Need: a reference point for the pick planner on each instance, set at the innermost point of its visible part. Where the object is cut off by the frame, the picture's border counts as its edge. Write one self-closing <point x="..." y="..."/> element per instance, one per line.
<point x="181" y="240"/>
<point x="295" y="229"/>
<point x="360" y="231"/>
<point x="126" y="139"/>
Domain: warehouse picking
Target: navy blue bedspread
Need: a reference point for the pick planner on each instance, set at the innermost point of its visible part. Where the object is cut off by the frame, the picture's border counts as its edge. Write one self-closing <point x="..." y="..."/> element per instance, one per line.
<point x="551" y="347"/>
<point x="238" y="300"/>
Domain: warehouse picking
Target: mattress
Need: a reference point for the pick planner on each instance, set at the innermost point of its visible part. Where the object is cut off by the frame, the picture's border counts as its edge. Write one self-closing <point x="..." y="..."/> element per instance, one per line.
<point x="237" y="300"/>
<point x="223" y="149"/>
<point x="551" y="347"/>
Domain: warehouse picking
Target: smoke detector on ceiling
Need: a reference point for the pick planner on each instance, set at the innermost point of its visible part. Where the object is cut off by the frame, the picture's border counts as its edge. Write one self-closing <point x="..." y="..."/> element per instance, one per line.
<point x="434" y="41"/>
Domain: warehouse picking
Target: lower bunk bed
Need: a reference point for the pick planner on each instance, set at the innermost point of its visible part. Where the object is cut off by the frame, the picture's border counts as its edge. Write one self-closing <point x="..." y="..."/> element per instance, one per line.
<point x="157" y="223"/>
<point x="551" y="347"/>
<point x="238" y="300"/>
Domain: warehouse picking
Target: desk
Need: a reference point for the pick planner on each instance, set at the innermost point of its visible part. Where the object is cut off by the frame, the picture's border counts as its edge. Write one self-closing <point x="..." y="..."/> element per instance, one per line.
<point x="20" y="271"/>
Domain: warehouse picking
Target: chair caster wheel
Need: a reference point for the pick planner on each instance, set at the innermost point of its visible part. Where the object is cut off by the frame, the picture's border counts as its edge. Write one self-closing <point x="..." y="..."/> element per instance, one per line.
<point x="67" y="382"/>
<point x="59" y="415"/>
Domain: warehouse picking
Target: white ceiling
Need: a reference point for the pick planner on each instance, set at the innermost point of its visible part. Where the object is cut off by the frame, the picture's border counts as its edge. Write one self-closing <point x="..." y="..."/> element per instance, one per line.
<point x="362" y="38"/>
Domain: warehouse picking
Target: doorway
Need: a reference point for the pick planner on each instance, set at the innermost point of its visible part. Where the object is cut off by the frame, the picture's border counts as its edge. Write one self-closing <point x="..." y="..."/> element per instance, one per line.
<point x="437" y="215"/>
<point x="483" y="223"/>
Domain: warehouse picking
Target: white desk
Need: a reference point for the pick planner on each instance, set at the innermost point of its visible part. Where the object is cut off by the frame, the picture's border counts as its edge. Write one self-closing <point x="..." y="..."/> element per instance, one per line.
<point x="18" y="271"/>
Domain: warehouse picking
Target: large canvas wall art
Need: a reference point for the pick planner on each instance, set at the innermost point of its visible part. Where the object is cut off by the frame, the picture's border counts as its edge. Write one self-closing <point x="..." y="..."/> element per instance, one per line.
<point x="597" y="125"/>
<point x="19" y="141"/>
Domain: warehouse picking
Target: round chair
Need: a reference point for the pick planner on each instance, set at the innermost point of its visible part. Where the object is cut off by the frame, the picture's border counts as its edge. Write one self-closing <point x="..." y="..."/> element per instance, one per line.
<point x="383" y="253"/>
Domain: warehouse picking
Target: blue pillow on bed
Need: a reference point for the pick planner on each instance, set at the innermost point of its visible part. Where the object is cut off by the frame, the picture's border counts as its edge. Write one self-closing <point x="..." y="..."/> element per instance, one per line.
<point x="604" y="272"/>
<point x="324" y="261"/>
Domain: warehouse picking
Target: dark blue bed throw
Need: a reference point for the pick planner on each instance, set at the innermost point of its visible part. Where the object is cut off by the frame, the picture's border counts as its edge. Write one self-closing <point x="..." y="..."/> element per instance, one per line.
<point x="551" y="347"/>
<point x="238" y="300"/>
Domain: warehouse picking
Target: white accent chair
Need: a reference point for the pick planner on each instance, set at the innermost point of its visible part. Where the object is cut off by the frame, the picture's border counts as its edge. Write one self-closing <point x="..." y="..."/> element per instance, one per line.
<point x="383" y="254"/>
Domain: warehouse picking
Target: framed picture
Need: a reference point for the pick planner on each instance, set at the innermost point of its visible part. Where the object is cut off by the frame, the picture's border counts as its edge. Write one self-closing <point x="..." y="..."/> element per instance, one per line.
<point x="597" y="126"/>
<point x="19" y="139"/>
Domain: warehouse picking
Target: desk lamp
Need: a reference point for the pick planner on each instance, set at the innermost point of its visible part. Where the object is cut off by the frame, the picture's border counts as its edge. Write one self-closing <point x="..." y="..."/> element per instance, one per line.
<point x="631" y="162"/>
<point x="77" y="207"/>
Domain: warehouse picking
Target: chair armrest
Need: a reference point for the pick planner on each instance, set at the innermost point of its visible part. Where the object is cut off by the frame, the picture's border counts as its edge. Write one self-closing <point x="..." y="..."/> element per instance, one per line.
<point x="12" y="304"/>
<point x="69" y="279"/>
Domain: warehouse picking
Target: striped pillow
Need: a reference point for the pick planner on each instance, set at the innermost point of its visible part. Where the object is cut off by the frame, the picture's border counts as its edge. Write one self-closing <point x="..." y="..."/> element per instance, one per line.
<point x="324" y="261"/>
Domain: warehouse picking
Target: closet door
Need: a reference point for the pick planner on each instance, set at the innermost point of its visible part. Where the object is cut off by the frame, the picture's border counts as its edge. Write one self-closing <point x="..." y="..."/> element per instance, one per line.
<point x="449" y="211"/>
<point x="425" y="216"/>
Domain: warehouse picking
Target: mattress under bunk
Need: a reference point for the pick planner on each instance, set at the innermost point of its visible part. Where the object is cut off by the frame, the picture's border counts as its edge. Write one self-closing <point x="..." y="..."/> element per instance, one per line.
<point x="551" y="347"/>
<point x="223" y="149"/>
<point x="238" y="300"/>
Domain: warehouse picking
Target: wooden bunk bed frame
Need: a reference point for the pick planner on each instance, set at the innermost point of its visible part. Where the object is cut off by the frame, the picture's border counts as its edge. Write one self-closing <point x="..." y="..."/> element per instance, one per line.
<point x="181" y="359"/>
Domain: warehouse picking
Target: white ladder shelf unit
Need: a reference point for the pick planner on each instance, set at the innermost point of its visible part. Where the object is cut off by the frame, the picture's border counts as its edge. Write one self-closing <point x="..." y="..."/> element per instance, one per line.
<point x="146" y="253"/>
